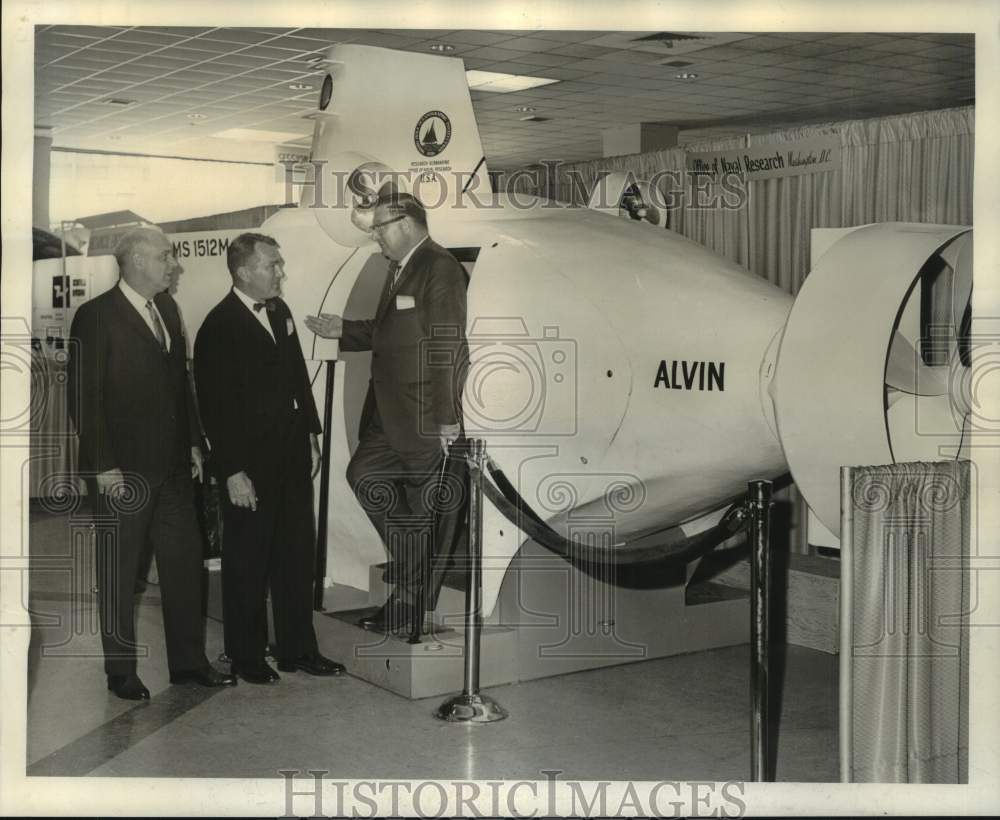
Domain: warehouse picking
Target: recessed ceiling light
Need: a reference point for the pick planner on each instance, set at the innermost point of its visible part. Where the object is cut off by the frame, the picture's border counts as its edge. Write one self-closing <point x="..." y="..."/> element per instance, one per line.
<point x="300" y="87"/>
<point x="196" y="116"/>
<point x="440" y="48"/>
<point x="114" y="138"/>
<point x="524" y="109"/>
<point x="503" y="83"/>
<point x="255" y="135"/>
<point x="685" y="76"/>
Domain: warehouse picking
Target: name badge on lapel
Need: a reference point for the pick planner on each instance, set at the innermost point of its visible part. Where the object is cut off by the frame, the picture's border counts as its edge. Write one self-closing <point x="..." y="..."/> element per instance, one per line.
<point x="289" y="326"/>
<point x="405" y="302"/>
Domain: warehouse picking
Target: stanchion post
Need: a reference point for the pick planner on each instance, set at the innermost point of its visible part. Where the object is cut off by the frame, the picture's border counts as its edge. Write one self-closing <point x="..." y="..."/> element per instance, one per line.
<point x="759" y="504"/>
<point x="471" y="706"/>
<point x="324" y="491"/>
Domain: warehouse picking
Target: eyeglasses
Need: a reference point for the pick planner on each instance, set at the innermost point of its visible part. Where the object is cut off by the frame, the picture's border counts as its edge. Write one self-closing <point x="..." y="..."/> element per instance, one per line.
<point x="378" y="226"/>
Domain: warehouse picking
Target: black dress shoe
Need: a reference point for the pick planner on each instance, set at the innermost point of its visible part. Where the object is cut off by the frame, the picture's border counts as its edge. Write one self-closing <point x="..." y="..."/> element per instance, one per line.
<point x="395" y="616"/>
<point x="314" y="664"/>
<point x="255" y="672"/>
<point x="383" y="618"/>
<point x="128" y="687"/>
<point x="209" y="676"/>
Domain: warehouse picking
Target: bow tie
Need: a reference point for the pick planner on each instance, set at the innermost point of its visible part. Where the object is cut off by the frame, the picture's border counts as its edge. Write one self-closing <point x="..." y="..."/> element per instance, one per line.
<point x="268" y="305"/>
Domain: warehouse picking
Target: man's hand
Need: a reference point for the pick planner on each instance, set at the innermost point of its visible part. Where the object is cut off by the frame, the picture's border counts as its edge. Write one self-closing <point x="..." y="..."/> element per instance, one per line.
<point x="327" y="325"/>
<point x="111" y="483"/>
<point x="447" y="433"/>
<point x="197" y="464"/>
<point x="317" y="455"/>
<point x="241" y="491"/>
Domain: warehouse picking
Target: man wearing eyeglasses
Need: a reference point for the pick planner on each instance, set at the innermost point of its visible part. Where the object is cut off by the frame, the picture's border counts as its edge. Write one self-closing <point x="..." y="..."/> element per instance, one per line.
<point x="412" y="412"/>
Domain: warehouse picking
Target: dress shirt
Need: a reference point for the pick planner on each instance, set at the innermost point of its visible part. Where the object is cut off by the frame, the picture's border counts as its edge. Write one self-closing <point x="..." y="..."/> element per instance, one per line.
<point x="405" y="259"/>
<point x="138" y="301"/>
<point x="259" y="315"/>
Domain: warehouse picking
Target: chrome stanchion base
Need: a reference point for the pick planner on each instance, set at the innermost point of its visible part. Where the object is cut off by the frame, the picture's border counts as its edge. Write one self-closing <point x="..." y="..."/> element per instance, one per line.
<point x="470" y="709"/>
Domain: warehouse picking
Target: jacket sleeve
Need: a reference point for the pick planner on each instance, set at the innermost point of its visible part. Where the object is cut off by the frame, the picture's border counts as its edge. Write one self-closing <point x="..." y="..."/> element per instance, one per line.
<point x="220" y="394"/>
<point x="444" y="358"/>
<point x="357" y="335"/>
<point x="87" y="375"/>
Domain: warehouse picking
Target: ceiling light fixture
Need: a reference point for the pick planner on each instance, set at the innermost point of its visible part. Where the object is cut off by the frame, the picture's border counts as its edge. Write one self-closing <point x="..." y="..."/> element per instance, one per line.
<point x="503" y="83"/>
<point x="524" y="109"/>
<point x="197" y="116"/>
<point x="685" y="76"/>
<point x="117" y="101"/>
<point x="441" y="48"/>
<point x="300" y="87"/>
<point x="258" y="135"/>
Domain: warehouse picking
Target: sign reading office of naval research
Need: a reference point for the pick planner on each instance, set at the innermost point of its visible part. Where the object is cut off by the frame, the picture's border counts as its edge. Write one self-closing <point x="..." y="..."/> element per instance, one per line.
<point x="769" y="161"/>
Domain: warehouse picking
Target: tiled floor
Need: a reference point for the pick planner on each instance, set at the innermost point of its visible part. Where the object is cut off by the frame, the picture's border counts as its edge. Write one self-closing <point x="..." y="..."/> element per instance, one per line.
<point x="677" y="718"/>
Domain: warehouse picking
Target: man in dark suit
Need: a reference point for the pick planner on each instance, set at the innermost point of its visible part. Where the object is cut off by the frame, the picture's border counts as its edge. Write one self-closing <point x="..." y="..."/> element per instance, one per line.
<point x="412" y="411"/>
<point x="140" y="444"/>
<point x="258" y="410"/>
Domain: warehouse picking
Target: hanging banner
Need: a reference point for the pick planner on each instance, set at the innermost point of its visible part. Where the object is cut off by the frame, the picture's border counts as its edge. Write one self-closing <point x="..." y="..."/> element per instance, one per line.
<point x="770" y="161"/>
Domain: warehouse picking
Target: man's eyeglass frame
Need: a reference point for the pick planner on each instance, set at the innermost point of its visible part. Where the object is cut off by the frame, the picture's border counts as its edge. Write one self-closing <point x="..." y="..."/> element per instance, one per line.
<point x="378" y="226"/>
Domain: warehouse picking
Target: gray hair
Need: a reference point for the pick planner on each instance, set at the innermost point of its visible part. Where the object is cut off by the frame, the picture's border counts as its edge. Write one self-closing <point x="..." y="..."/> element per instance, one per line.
<point x="132" y="241"/>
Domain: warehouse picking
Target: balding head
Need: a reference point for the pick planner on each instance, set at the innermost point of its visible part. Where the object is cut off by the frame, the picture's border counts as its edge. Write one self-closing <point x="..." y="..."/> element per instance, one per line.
<point x="145" y="260"/>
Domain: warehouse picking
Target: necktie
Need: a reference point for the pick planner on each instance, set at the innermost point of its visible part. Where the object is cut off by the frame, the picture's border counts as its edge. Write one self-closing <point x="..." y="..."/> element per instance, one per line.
<point x="394" y="273"/>
<point x="268" y="306"/>
<point x="161" y="337"/>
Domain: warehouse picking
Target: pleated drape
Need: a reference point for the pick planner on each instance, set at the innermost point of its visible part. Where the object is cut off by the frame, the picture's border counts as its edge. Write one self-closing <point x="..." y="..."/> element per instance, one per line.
<point x="904" y="683"/>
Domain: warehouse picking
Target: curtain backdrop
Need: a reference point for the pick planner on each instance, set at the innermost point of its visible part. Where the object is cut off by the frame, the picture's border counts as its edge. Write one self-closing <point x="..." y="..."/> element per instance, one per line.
<point x="909" y="168"/>
<point x="904" y="623"/>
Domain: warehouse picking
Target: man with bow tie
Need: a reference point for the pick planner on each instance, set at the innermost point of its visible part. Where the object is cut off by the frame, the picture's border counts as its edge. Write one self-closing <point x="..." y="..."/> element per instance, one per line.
<point x="260" y="418"/>
<point x="139" y="450"/>
<point x="413" y="410"/>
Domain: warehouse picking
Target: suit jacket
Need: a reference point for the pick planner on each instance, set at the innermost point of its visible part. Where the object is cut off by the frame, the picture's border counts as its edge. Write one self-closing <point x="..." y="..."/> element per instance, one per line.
<point x="419" y="349"/>
<point x="248" y="387"/>
<point x="131" y="402"/>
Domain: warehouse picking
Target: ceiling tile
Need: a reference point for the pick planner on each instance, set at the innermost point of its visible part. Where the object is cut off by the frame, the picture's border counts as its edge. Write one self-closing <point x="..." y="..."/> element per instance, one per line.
<point x="762" y="42"/>
<point x="579" y="50"/>
<point x="811" y="49"/>
<point x="946" y="52"/>
<point x="756" y="82"/>
<point x="902" y="45"/>
<point x="760" y="57"/>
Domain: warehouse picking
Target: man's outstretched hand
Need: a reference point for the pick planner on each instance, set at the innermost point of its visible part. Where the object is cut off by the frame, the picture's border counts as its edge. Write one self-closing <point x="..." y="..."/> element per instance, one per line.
<point x="327" y="325"/>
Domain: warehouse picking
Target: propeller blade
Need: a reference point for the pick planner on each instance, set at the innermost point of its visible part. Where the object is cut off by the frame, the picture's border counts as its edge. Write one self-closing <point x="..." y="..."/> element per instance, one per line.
<point x="924" y="428"/>
<point x="906" y="372"/>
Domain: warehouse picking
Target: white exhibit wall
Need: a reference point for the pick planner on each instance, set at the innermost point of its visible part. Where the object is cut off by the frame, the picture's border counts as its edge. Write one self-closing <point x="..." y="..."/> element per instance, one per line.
<point x="157" y="188"/>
